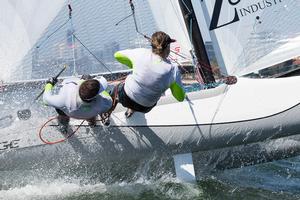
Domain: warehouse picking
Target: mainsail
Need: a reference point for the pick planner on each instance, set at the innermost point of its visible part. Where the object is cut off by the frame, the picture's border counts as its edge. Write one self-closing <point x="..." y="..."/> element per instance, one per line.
<point x="22" y="23"/>
<point x="252" y="35"/>
<point x="168" y="17"/>
<point x="36" y="40"/>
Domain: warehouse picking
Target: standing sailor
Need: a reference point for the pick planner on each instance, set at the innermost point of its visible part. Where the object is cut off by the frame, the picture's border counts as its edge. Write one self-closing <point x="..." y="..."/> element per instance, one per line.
<point x="80" y="99"/>
<point x="152" y="75"/>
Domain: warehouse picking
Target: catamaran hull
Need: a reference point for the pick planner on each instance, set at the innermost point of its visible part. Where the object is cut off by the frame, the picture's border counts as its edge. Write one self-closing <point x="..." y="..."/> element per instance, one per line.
<point x="215" y="120"/>
<point x="95" y="150"/>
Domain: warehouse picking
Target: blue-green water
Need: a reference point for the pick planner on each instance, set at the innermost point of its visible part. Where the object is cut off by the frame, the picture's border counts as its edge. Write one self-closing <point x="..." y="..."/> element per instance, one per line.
<point x="276" y="180"/>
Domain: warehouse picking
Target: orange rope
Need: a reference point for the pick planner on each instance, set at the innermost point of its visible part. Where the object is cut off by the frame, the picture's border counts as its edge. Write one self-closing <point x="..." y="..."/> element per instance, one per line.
<point x="58" y="141"/>
<point x="104" y="116"/>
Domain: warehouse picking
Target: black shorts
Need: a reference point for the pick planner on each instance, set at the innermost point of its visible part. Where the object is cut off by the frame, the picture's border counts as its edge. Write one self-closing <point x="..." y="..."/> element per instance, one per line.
<point x="60" y="112"/>
<point x="129" y="103"/>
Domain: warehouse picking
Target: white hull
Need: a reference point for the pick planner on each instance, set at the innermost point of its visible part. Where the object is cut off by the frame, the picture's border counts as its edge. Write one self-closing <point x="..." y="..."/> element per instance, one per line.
<point x="227" y="119"/>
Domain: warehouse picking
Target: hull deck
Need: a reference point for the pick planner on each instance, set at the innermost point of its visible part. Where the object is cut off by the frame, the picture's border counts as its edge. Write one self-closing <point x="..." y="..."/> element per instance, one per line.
<point x="214" y="120"/>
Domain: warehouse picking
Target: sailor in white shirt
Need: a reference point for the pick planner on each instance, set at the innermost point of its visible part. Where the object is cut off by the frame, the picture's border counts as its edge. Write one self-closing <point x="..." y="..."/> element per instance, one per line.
<point x="80" y="99"/>
<point x="152" y="75"/>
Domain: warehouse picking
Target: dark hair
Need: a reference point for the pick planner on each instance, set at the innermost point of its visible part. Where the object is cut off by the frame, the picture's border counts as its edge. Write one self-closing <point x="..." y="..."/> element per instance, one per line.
<point x="89" y="89"/>
<point x="159" y="42"/>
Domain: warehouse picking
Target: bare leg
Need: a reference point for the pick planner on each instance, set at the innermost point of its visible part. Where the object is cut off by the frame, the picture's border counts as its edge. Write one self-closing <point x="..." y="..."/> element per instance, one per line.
<point x="92" y="121"/>
<point x="63" y="123"/>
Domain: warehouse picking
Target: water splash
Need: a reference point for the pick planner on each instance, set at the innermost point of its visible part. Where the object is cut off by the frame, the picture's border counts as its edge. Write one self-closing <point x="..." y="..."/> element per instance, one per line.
<point x="165" y="188"/>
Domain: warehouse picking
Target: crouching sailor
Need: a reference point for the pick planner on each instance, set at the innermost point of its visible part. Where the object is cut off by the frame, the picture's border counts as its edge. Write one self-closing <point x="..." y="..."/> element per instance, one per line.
<point x="77" y="98"/>
<point x="152" y="75"/>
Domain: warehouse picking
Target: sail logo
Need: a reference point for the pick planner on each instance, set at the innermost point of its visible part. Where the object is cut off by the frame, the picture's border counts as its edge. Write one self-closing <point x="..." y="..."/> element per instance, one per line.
<point x="238" y="13"/>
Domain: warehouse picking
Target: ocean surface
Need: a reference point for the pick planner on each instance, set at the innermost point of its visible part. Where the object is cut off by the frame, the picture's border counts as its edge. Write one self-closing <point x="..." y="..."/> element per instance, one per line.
<point x="275" y="180"/>
<point x="154" y="179"/>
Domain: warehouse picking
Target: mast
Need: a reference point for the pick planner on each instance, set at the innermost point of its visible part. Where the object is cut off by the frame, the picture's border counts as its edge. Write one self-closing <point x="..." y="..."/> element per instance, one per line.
<point x="197" y="40"/>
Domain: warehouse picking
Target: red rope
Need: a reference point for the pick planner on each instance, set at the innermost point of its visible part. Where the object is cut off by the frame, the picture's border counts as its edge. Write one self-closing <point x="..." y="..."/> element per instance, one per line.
<point x="103" y="117"/>
<point x="58" y="141"/>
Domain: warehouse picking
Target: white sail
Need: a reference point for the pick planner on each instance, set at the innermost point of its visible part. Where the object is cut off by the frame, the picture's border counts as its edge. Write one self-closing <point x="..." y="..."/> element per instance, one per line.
<point x="168" y="17"/>
<point x="21" y="24"/>
<point x="252" y="35"/>
<point x="93" y="22"/>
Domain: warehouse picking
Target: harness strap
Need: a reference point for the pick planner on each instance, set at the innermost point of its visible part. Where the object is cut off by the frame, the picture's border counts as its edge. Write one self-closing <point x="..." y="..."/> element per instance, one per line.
<point x="106" y="115"/>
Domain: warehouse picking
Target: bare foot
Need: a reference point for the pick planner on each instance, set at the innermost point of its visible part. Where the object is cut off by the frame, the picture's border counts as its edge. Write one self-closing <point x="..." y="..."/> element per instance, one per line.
<point x="92" y="122"/>
<point x="129" y="112"/>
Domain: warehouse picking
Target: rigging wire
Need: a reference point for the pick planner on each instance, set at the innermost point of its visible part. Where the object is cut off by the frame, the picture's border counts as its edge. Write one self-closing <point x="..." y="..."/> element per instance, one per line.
<point x="75" y="37"/>
<point x="197" y="63"/>
<point x="101" y="62"/>
<point x="61" y="26"/>
<point x="142" y="34"/>
<point x="70" y="14"/>
<point x="135" y="22"/>
<point x="73" y="40"/>
<point x="123" y="19"/>
<point x="50" y="35"/>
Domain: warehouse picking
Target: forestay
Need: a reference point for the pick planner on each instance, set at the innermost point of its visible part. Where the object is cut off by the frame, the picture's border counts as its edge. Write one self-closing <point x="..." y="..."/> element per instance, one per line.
<point x="252" y="35"/>
<point x="22" y="23"/>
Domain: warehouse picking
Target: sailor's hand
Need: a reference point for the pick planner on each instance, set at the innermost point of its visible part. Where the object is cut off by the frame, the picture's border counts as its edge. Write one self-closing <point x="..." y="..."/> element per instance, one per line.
<point x="296" y="61"/>
<point x="86" y="77"/>
<point x="52" y="80"/>
<point x="104" y="115"/>
<point x="230" y="80"/>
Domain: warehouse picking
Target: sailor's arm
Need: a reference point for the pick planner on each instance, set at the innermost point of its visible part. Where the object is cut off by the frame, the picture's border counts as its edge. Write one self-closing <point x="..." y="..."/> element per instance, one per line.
<point x="177" y="87"/>
<point x="106" y="106"/>
<point x="124" y="57"/>
<point x="108" y="100"/>
<point x="49" y="99"/>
